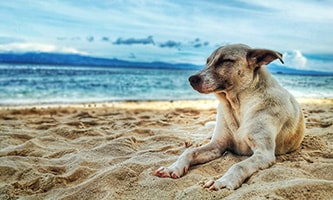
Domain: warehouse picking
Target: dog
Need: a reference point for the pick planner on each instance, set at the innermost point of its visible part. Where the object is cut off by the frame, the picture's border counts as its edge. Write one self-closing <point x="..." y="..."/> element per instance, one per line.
<point x="256" y="117"/>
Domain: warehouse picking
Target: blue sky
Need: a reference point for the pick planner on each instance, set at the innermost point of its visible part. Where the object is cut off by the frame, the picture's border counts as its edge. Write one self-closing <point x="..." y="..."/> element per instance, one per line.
<point x="173" y="31"/>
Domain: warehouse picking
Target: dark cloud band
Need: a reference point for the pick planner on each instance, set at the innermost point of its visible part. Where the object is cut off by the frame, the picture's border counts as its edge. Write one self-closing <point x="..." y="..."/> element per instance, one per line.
<point x="131" y="41"/>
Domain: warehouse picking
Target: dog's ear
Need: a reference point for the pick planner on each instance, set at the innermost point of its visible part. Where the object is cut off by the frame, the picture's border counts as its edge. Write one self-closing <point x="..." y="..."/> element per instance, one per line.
<point x="259" y="57"/>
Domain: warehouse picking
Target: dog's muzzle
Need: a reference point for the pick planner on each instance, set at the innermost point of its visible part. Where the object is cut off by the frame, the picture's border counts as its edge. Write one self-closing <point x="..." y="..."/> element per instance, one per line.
<point x="195" y="80"/>
<point x="197" y="83"/>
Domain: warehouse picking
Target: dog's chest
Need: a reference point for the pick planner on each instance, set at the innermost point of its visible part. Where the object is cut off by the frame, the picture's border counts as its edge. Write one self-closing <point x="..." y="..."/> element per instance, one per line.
<point x="230" y="117"/>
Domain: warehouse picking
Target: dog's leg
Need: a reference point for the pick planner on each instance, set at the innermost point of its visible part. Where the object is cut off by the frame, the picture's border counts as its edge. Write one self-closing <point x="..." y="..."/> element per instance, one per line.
<point x="263" y="156"/>
<point x="197" y="155"/>
<point x="190" y="157"/>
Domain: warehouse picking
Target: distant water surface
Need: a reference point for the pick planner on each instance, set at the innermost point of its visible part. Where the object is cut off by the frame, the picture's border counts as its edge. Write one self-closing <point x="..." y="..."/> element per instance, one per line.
<point x="38" y="84"/>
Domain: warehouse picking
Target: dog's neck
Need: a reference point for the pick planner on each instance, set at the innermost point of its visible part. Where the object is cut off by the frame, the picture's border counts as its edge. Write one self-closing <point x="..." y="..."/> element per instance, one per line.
<point x="229" y="98"/>
<point x="231" y="105"/>
<point x="231" y="109"/>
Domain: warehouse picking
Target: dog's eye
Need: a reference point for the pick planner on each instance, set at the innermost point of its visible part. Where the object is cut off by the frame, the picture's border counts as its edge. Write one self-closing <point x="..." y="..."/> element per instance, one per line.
<point x="224" y="60"/>
<point x="227" y="60"/>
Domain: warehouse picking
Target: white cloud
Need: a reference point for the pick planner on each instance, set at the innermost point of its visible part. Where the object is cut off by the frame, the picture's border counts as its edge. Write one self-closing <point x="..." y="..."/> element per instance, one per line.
<point x="295" y="59"/>
<point x="38" y="47"/>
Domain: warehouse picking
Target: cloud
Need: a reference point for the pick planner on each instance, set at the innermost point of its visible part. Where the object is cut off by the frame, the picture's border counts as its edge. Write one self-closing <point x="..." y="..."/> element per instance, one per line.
<point x="318" y="62"/>
<point x="38" y="47"/>
<point x="90" y="38"/>
<point x="74" y="38"/>
<point x="131" y="41"/>
<point x="197" y="43"/>
<point x="257" y="23"/>
<point x="105" y="39"/>
<point x="170" y="44"/>
<point x="295" y="59"/>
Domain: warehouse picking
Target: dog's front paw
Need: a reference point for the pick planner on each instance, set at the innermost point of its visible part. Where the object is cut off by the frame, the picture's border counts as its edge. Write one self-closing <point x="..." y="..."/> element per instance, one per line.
<point x="219" y="184"/>
<point x="170" y="172"/>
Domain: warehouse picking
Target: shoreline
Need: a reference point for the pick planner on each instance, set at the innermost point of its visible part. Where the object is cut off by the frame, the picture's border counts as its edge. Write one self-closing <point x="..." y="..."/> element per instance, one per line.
<point x="181" y="103"/>
<point x="120" y="104"/>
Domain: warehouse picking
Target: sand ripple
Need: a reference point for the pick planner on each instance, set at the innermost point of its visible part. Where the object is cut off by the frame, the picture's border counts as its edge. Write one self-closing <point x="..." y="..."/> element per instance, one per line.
<point x="110" y="151"/>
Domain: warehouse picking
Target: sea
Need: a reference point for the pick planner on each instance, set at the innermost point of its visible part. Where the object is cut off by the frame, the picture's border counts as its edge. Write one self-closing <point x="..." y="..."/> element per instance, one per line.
<point x="44" y="84"/>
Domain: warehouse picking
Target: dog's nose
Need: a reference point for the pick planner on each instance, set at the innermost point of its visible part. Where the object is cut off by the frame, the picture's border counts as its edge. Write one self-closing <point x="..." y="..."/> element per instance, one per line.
<point x="195" y="79"/>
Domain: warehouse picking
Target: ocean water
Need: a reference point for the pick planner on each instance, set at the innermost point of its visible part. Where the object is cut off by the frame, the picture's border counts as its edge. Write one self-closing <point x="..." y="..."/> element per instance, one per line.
<point x="39" y="84"/>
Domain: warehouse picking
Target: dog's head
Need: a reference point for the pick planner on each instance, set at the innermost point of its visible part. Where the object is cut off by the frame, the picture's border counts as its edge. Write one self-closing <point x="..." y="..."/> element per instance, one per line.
<point x="231" y="67"/>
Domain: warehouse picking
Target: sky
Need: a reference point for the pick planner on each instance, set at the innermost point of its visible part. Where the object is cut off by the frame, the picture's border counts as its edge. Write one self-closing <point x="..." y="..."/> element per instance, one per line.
<point x="174" y="31"/>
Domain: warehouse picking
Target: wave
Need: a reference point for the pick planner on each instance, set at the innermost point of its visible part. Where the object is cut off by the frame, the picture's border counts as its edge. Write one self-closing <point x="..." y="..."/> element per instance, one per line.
<point x="24" y="84"/>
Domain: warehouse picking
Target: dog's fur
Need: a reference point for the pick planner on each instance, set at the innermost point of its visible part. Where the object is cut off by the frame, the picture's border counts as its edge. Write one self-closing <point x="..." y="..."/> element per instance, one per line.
<point x="255" y="117"/>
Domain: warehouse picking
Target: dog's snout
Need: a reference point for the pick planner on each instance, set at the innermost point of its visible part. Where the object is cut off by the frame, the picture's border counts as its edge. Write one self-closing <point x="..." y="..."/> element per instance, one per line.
<point x="195" y="80"/>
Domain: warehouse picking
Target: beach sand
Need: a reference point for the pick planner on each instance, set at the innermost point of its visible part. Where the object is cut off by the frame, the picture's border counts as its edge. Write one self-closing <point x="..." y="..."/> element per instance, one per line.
<point x="110" y="151"/>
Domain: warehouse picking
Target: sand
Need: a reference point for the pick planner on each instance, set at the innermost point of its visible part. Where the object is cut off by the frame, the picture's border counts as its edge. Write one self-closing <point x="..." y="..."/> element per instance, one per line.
<point x="110" y="151"/>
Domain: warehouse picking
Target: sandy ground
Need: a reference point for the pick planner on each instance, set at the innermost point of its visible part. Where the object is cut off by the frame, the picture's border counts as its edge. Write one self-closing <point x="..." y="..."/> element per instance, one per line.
<point x="110" y="151"/>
